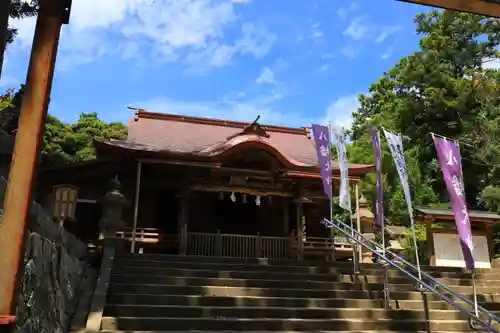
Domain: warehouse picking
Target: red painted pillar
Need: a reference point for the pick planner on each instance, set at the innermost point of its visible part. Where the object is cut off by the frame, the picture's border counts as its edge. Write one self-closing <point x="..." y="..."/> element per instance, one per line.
<point x="27" y="146"/>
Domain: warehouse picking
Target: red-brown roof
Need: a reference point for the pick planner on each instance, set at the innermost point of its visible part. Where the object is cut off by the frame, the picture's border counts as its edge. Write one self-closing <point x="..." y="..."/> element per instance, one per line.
<point x="215" y="138"/>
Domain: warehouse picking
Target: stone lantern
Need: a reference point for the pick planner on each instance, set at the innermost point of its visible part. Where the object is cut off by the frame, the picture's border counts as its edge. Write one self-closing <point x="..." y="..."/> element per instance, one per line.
<point x="112" y="204"/>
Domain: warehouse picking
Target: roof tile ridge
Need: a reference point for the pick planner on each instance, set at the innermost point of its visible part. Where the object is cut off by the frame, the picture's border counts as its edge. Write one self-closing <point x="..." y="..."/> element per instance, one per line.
<point x="145" y="114"/>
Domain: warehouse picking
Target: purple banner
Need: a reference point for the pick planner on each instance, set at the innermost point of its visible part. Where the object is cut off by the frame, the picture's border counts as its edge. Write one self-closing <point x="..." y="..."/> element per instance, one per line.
<point x="379" y="202"/>
<point x="322" y="140"/>
<point x="451" y="165"/>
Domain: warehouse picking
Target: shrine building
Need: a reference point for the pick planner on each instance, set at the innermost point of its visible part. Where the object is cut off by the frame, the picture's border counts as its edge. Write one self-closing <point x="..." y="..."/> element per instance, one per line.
<point x="202" y="186"/>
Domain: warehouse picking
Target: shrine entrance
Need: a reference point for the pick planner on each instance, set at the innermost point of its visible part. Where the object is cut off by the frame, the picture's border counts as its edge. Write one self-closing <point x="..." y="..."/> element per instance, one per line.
<point x="236" y="213"/>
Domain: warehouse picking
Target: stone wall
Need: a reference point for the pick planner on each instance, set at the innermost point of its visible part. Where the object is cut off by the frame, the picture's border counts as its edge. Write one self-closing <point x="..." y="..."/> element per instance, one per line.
<point x="56" y="269"/>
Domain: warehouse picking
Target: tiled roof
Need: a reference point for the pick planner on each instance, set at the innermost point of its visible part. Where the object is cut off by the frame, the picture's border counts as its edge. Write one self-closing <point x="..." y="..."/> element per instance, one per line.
<point x="473" y="214"/>
<point x="206" y="137"/>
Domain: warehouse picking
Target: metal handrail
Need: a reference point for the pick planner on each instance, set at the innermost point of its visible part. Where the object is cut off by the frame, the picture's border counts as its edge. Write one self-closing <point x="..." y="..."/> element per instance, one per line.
<point x="485" y="324"/>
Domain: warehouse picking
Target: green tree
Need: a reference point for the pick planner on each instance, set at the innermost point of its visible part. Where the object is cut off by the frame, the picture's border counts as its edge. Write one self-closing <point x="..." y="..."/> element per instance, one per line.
<point x="445" y="88"/>
<point x="20" y="9"/>
<point x="6" y="99"/>
<point x="62" y="143"/>
<point x="441" y="88"/>
<point x="66" y="143"/>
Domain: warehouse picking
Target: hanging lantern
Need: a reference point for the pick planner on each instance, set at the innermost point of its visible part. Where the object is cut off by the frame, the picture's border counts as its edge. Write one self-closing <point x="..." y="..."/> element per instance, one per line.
<point x="244" y="198"/>
<point x="65" y="202"/>
<point x="233" y="197"/>
<point x="257" y="200"/>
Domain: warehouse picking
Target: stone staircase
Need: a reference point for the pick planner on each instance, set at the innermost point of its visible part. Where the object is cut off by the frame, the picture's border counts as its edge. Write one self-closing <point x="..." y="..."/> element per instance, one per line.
<point x="160" y="293"/>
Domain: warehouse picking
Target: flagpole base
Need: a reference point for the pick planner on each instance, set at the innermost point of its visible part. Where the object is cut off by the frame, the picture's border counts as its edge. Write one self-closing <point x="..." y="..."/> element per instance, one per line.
<point x="420" y="288"/>
<point x="477" y="325"/>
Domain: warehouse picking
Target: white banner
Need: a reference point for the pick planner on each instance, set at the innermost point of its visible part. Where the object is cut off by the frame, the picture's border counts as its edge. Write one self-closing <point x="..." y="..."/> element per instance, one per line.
<point x="345" y="197"/>
<point x="396" y="147"/>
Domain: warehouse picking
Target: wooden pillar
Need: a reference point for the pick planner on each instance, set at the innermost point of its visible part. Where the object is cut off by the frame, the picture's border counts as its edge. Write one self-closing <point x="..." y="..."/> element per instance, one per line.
<point x="182" y="222"/>
<point x="136" y="204"/>
<point x="491" y="244"/>
<point x="286" y="218"/>
<point x="430" y="242"/>
<point x="300" y="236"/>
<point x="27" y="147"/>
<point x="4" y="23"/>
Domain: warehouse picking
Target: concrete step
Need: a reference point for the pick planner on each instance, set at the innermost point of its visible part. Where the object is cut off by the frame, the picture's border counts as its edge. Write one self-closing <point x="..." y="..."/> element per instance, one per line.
<point x="121" y="288"/>
<point x="358" y="283"/>
<point x="287" y="262"/>
<point x="257" y="283"/>
<point x="151" y="266"/>
<point x="233" y="274"/>
<point x="194" y="300"/>
<point x="175" y="311"/>
<point x="277" y="324"/>
<point x="193" y="331"/>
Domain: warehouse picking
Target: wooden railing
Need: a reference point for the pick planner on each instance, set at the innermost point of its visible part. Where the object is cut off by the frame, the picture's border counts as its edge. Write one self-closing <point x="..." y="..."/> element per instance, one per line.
<point x="239" y="246"/>
<point x="326" y="248"/>
<point x="148" y="237"/>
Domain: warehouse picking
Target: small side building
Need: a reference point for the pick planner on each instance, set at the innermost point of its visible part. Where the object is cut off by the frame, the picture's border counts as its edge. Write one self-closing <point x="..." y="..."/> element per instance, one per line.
<point x="443" y="245"/>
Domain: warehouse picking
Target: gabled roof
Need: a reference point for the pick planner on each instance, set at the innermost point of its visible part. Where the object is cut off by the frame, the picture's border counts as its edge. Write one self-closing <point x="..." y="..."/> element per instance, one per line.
<point x="215" y="138"/>
<point x="447" y="214"/>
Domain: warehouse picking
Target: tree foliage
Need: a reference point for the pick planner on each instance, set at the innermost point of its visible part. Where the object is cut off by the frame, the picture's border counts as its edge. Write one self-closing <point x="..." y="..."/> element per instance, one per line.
<point x="444" y="88"/>
<point x="20" y="9"/>
<point x="67" y="143"/>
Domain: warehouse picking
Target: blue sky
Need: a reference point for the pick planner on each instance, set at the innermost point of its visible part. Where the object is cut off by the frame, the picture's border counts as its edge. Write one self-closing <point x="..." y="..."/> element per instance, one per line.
<point x="291" y="61"/>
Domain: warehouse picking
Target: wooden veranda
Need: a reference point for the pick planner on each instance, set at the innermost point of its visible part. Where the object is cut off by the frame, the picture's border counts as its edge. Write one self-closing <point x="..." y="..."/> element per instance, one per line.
<point x="237" y="246"/>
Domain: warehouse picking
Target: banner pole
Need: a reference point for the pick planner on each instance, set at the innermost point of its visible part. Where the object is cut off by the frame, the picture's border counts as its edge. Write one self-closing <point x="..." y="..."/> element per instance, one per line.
<point x="415" y="245"/>
<point x="358" y="223"/>
<point x="355" y="245"/>
<point x="474" y="292"/>
<point x="382" y="224"/>
<point x="332" y="235"/>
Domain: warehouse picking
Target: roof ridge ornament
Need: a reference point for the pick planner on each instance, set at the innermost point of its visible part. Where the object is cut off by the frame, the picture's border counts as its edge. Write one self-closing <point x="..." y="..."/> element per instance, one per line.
<point x="252" y="128"/>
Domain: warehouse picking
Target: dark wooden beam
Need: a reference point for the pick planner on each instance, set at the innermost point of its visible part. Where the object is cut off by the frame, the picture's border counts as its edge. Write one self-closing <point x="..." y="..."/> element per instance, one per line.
<point x="246" y="190"/>
<point x="482" y="7"/>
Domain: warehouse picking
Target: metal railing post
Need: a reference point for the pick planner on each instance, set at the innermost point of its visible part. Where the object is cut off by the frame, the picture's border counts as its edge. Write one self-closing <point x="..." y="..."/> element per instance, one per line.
<point x="386" y="272"/>
<point x="475" y="312"/>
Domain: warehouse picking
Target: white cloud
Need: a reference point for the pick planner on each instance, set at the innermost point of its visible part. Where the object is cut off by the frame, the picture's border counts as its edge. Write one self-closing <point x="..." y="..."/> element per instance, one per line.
<point x="349" y="51"/>
<point x="386" y="31"/>
<point x="266" y="76"/>
<point x="343" y="12"/>
<point x="316" y="34"/>
<point x="328" y="56"/>
<point x="357" y="29"/>
<point x="186" y="30"/>
<point x="255" y="40"/>
<point x="324" y="67"/>
<point x="360" y="28"/>
<point x="339" y="112"/>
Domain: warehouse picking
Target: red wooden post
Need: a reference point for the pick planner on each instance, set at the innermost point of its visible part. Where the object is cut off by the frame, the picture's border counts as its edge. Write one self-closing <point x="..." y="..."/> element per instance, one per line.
<point x="27" y="146"/>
